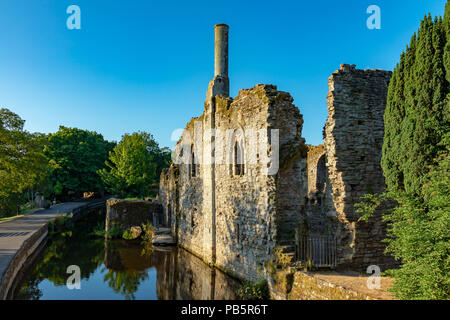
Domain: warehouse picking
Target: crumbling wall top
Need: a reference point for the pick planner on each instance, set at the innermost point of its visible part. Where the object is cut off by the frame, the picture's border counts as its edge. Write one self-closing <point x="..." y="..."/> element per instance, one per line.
<point x="349" y="68"/>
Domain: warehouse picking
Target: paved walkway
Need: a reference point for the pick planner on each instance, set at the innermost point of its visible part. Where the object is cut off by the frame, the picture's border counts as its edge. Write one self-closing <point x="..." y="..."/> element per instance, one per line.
<point x="15" y="233"/>
<point x="357" y="282"/>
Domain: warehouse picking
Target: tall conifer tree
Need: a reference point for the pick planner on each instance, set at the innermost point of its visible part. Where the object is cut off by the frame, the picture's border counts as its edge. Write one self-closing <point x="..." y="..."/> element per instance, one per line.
<point x="417" y="111"/>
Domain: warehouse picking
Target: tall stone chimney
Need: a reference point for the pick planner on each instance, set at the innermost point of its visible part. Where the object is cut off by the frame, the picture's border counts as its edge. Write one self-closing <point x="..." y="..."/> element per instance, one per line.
<point x="220" y="84"/>
<point x="221" y="50"/>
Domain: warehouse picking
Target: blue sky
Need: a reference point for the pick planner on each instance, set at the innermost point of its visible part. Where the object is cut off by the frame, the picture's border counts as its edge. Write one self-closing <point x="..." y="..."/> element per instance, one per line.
<point x="145" y="65"/>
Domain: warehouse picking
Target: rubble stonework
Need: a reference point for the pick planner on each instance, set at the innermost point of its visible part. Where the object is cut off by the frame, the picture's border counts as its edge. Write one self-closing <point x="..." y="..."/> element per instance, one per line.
<point x="169" y="198"/>
<point x="234" y="216"/>
<point x="353" y="140"/>
<point x="126" y="214"/>
<point x="320" y="211"/>
<point x="251" y="214"/>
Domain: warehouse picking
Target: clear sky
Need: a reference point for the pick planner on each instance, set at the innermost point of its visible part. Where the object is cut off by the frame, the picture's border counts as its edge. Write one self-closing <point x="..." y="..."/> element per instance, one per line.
<point x="145" y="65"/>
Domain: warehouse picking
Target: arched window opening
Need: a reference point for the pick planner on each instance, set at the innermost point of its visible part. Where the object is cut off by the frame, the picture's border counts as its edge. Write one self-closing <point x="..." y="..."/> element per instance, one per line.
<point x="239" y="159"/>
<point x="193" y="166"/>
<point x="321" y="174"/>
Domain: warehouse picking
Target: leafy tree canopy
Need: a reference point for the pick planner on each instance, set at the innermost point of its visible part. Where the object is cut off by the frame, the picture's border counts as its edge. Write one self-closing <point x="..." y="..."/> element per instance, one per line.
<point x="75" y="156"/>
<point x="22" y="164"/>
<point x="135" y="165"/>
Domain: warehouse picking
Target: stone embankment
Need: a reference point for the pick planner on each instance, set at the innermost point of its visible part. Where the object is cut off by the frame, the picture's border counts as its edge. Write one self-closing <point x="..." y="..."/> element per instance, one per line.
<point x="129" y="214"/>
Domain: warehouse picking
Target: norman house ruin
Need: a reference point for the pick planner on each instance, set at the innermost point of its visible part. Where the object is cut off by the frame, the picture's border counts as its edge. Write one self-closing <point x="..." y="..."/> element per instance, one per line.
<point x="233" y="214"/>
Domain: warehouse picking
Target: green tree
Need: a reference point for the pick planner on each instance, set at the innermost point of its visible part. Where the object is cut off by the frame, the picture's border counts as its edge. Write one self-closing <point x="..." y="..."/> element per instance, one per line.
<point x="75" y="156"/>
<point x="418" y="107"/>
<point x="419" y="235"/>
<point x="22" y="163"/>
<point x="134" y="165"/>
<point x="421" y="230"/>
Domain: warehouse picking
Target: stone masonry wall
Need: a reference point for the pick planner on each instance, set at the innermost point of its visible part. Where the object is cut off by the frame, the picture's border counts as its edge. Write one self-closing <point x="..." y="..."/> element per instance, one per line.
<point x="353" y="140"/>
<point x="256" y="211"/>
<point x="245" y="203"/>
<point x="191" y="222"/>
<point x="253" y="211"/>
<point x="128" y="213"/>
<point x="320" y="211"/>
<point x="169" y="198"/>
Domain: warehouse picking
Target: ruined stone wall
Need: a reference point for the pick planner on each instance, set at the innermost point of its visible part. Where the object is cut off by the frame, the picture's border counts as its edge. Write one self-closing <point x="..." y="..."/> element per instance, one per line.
<point x="255" y="210"/>
<point x="128" y="213"/>
<point x="245" y="203"/>
<point x="191" y="222"/>
<point x="235" y="220"/>
<point x="325" y="286"/>
<point x="169" y="195"/>
<point x="320" y="211"/>
<point x="353" y="140"/>
<point x="292" y="173"/>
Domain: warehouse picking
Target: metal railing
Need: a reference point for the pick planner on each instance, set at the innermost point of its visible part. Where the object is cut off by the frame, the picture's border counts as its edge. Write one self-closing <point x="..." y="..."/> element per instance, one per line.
<point x="318" y="251"/>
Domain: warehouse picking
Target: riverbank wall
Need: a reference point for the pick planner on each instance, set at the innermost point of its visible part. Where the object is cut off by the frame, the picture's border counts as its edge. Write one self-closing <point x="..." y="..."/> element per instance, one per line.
<point x="21" y="238"/>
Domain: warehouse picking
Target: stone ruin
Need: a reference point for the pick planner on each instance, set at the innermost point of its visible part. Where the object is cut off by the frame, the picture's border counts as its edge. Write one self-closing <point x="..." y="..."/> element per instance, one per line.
<point x="233" y="214"/>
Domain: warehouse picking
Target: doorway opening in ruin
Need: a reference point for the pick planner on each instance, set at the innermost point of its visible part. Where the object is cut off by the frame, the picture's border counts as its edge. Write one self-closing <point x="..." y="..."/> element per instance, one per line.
<point x="318" y="250"/>
<point x="317" y="242"/>
<point x="169" y="215"/>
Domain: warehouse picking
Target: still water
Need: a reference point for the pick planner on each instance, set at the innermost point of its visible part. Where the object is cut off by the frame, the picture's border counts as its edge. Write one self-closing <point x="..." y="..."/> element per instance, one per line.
<point x="119" y="269"/>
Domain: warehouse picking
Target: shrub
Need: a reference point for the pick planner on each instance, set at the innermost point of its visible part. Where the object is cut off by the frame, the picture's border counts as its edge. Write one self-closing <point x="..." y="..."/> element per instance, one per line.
<point x="419" y="236"/>
<point x="147" y="232"/>
<point x="128" y="234"/>
<point x="282" y="259"/>
<point x="254" y="291"/>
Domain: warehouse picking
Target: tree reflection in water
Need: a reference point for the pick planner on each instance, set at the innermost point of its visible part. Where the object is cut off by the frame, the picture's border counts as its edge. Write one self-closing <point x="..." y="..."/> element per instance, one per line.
<point x="127" y="267"/>
<point x="121" y="269"/>
<point x="126" y="282"/>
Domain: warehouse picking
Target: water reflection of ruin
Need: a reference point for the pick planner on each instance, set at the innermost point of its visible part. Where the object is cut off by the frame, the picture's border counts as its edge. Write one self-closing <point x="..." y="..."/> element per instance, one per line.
<point x="180" y="275"/>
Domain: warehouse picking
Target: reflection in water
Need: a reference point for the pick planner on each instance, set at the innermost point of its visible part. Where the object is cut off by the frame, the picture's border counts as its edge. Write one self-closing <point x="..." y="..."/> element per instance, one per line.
<point x="120" y="269"/>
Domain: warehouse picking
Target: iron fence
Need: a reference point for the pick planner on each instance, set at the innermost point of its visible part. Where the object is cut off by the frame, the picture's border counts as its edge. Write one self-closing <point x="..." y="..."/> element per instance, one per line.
<point x="318" y="251"/>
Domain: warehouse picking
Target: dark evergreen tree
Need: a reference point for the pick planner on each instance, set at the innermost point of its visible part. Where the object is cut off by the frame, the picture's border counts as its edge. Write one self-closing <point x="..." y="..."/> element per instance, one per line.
<point x="417" y="111"/>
